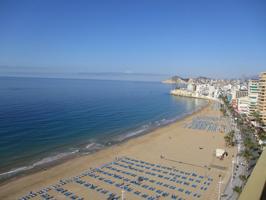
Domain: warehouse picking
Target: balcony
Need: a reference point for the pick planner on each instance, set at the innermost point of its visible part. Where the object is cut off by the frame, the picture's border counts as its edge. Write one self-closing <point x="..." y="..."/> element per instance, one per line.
<point x="256" y="185"/>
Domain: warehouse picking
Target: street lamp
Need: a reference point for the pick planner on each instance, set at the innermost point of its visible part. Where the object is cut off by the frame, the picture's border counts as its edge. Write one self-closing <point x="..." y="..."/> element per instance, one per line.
<point x="219" y="187"/>
<point x="238" y="151"/>
<point x="123" y="191"/>
<point x="233" y="162"/>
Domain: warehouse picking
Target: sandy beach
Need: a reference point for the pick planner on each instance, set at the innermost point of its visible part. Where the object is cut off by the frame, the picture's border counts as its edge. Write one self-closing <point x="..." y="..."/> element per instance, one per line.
<point x="176" y="150"/>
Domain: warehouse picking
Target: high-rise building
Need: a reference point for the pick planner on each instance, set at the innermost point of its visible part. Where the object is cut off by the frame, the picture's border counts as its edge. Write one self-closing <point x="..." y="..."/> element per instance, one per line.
<point x="262" y="97"/>
<point x="253" y="92"/>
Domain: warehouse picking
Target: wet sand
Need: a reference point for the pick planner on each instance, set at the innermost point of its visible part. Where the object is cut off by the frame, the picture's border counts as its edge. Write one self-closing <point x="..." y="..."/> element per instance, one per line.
<point x="175" y="146"/>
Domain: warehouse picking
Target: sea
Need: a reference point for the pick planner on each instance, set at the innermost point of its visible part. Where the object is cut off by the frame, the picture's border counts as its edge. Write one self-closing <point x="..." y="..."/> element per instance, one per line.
<point x="45" y="120"/>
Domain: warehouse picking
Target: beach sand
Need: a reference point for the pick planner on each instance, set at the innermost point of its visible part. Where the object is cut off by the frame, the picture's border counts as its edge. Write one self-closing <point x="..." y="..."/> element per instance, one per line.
<point x="174" y="145"/>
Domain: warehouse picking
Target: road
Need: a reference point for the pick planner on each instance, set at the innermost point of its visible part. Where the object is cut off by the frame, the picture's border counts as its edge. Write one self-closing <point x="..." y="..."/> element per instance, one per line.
<point x="239" y="165"/>
<point x="239" y="168"/>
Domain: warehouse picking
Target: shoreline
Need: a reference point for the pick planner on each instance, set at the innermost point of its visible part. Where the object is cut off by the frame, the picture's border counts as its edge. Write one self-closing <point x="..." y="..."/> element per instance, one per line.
<point x="5" y="179"/>
<point x="172" y="138"/>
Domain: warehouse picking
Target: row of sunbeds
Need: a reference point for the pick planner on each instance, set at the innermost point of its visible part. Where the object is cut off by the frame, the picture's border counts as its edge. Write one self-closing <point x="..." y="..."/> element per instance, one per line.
<point x="134" y="182"/>
<point x="211" y="124"/>
<point x="140" y="178"/>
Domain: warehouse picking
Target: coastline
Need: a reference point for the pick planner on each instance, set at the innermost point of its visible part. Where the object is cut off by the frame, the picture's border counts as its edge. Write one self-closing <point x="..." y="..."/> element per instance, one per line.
<point x="75" y="165"/>
<point x="23" y="171"/>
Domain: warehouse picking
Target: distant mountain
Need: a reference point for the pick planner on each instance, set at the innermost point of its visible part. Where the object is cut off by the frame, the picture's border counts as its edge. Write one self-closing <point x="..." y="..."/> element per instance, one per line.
<point x="176" y="80"/>
<point x="180" y="80"/>
<point x="204" y="79"/>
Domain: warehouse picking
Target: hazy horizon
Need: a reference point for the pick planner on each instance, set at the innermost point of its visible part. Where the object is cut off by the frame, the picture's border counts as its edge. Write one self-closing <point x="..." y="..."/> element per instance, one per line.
<point x="123" y="76"/>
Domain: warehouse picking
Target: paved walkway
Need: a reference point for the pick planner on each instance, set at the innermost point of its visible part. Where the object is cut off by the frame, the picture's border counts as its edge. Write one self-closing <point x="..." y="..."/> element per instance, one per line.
<point x="239" y="168"/>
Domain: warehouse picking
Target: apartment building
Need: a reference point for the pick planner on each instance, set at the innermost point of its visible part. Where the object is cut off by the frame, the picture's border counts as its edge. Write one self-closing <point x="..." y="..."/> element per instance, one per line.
<point x="262" y="97"/>
<point x="253" y="93"/>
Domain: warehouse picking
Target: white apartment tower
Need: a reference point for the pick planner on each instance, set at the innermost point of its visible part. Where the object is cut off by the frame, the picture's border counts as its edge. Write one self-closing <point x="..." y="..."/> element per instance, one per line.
<point x="253" y="93"/>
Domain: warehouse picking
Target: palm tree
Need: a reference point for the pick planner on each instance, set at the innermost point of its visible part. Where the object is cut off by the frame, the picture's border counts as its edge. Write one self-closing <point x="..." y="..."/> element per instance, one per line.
<point x="248" y="143"/>
<point x="246" y="154"/>
<point x="242" y="178"/>
<point x="262" y="134"/>
<point x="229" y="139"/>
<point x="237" y="189"/>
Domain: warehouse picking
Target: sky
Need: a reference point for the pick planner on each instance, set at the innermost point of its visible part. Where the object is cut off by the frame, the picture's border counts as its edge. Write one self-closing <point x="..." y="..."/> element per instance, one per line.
<point x="219" y="39"/>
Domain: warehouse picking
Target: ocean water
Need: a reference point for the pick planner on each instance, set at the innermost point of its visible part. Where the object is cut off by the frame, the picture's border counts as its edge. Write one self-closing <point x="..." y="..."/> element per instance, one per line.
<point x="42" y="120"/>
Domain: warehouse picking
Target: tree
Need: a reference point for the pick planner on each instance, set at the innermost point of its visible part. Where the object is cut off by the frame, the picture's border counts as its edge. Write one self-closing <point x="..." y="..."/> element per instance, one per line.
<point x="248" y="143"/>
<point x="237" y="189"/>
<point x="243" y="178"/>
<point x="262" y="134"/>
<point x="246" y="154"/>
<point x="229" y="138"/>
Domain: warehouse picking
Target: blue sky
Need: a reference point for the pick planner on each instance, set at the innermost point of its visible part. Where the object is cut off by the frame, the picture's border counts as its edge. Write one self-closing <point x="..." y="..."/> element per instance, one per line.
<point x="189" y="38"/>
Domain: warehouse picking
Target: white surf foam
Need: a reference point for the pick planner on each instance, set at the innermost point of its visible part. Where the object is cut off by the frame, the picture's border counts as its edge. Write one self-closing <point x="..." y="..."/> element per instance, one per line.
<point x="46" y="160"/>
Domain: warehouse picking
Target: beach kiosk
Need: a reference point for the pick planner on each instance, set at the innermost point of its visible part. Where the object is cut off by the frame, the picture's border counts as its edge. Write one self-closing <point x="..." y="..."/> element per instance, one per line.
<point x="219" y="153"/>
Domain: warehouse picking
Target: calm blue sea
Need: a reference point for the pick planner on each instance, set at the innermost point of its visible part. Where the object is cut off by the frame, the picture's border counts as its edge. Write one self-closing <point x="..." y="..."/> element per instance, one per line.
<point x="42" y="120"/>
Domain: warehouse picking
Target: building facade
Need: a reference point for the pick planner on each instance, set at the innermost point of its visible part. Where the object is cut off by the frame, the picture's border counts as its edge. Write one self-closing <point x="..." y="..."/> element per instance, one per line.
<point x="253" y="93"/>
<point x="242" y="105"/>
<point x="241" y="93"/>
<point x="262" y="97"/>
